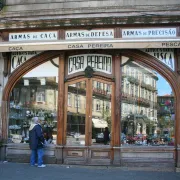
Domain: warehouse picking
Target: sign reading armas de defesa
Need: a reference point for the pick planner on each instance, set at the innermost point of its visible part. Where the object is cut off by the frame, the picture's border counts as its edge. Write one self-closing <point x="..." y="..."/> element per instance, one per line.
<point x="149" y="33"/>
<point x="91" y="34"/>
<point x="33" y="36"/>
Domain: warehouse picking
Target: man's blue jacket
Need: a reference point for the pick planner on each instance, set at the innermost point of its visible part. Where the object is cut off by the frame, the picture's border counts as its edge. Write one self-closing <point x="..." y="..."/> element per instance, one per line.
<point x="36" y="138"/>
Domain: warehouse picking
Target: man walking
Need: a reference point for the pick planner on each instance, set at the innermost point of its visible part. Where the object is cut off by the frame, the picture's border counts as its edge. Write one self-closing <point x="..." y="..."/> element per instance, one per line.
<point x="36" y="143"/>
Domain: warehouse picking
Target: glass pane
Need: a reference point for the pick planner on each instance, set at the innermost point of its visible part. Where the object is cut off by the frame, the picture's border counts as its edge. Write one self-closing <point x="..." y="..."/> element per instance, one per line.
<point x="147" y="107"/>
<point x="76" y="114"/>
<point x="35" y="94"/>
<point x="101" y="113"/>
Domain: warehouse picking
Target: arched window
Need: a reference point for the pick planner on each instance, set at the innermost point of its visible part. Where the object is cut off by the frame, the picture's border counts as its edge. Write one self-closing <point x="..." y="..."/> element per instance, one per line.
<point x="149" y="115"/>
<point x="35" y="94"/>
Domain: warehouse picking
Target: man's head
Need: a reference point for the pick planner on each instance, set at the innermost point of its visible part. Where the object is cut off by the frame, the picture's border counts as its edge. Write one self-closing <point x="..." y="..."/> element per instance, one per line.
<point x="36" y="120"/>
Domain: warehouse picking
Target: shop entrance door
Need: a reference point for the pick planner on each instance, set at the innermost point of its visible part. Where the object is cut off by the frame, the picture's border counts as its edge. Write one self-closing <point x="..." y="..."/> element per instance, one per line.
<point x="76" y="113"/>
<point x="88" y="112"/>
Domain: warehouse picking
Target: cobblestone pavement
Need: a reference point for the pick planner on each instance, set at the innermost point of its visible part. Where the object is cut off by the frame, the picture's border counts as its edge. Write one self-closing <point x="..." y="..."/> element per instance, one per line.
<point x="18" y="171"/>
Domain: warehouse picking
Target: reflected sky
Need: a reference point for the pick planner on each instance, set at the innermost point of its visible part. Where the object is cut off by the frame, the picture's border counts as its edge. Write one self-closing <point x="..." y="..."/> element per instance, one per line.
<point x="163" y="86"/>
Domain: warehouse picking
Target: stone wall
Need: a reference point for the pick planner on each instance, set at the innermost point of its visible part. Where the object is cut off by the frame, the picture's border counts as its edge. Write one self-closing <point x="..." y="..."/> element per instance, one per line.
<point x="121" y="2"/>
<point x="26" y="13"/>
<point x="88" y="6"/>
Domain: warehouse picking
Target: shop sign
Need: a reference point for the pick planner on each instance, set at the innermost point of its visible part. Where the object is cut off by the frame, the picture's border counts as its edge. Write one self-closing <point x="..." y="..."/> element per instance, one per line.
<point x="18" y="58"/>
<point x="98" y="62"/>
<point x="149" y="33"/>
<point x="90" y="44"/>
<point x="33" y="36"/>
<point x="92" y="34"/>
<point x="166" y="56"/>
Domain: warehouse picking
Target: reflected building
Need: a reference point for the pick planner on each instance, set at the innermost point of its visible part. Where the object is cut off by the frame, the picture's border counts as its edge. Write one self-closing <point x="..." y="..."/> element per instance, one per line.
<point x="76" y="113"/>
<point x="139" y="100"/>
<point x="33" y="96"/>
<point x="166" y="115"/>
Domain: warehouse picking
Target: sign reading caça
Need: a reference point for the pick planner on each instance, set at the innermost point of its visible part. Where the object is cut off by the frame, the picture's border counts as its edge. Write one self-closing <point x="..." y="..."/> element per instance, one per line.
<point x="33" y="36"/>
<point x="18" y="58"/>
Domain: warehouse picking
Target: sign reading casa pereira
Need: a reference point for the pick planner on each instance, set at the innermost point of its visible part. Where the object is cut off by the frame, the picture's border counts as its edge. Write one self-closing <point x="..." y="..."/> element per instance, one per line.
<point x="149" y="33"/>
<point x="166" y="56"/>
<point x="91" y="34"/>
<point x="85" y="45"/>
<point x="18" y="58"/>
<point x="90" y="46"/>
<point x="33" y="36"/>
<point x="98" y="62"/>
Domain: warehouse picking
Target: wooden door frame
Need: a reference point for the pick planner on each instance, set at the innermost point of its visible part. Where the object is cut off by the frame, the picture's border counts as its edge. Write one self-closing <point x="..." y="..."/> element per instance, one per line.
<point x="88" y="122"/>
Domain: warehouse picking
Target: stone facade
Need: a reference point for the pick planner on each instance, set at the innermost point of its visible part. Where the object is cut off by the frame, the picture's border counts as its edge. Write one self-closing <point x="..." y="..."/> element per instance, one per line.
<point x="37" y="14"/>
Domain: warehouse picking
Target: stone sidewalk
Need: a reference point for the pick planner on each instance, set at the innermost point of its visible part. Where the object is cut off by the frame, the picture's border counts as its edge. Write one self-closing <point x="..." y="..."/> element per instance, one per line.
<point x="17" y="171"/>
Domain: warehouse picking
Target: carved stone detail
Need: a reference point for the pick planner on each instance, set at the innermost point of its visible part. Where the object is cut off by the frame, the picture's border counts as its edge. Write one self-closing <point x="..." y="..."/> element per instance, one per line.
<point x="89" y="72"/>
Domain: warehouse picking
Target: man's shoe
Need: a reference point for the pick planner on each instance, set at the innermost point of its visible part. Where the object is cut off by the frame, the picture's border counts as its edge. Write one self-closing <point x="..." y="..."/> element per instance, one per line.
<point x="42" y="166"/>
<point x="34" y="164"/>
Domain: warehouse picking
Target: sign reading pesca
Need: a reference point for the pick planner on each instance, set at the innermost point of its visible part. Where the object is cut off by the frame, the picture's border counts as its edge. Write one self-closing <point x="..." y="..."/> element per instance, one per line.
<point x="33" y="36"/>
<point x="171" y="44"/>
<point x="149" y="33"/>
<point x="98" y="62"/>
<point x="166" y="56"/>
<point x="18" y="58"/>
<point x="92" y="34"/>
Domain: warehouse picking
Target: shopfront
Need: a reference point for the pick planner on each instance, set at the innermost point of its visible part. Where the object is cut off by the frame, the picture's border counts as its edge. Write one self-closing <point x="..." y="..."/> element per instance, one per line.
<point x="81" y="82"/>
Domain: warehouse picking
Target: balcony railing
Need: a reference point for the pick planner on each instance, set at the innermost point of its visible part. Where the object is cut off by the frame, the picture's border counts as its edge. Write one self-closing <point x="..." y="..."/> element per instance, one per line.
<point x="131" y="99"/>
<point x="141" y="83"/>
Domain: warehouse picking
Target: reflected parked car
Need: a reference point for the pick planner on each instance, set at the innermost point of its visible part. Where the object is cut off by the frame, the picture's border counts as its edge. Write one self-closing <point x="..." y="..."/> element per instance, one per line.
<point x="71" y="134"/>
<point x="76" y="135"/>
<point x="99" y="138"/>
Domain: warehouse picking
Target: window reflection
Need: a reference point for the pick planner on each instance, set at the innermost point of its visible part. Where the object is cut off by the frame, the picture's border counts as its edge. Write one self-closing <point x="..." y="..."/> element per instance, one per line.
<point x="76" y="114"/>
<point x="35" y="94"/>
<point x="101" y="114"/>
<point x="147" y="113"/>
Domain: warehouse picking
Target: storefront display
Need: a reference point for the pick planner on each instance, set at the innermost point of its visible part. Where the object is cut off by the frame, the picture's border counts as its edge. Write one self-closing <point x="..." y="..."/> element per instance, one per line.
<point x="79" y="94"/>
